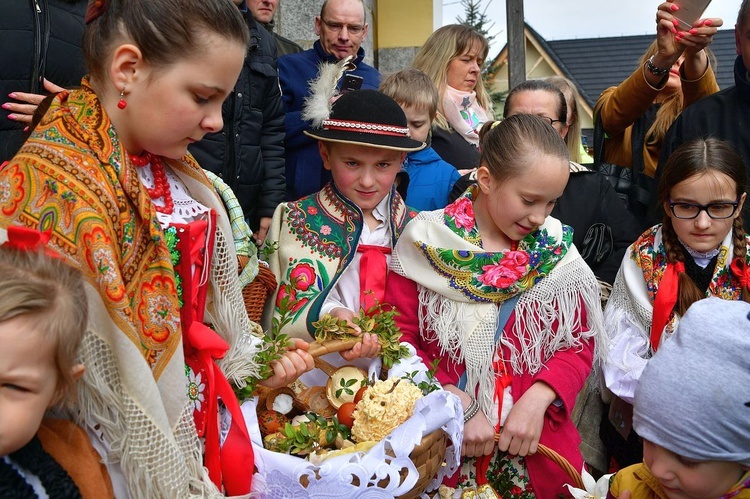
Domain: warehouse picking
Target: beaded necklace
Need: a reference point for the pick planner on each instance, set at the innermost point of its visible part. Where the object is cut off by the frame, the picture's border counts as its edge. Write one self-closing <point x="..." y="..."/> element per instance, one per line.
<point x="161" y="184"/>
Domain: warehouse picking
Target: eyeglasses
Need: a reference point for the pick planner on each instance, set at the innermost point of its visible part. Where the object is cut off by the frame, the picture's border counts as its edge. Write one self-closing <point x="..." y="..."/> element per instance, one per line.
<point x="353" y="29"/>
<point x="717" y="211"/>
<point x="551" y="121"/>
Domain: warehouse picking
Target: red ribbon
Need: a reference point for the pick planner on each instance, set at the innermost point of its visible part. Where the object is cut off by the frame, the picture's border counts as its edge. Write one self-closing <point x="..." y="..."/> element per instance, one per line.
<point x="231" y="464"/>
<point x="28" y="239"/>
<point x="740" y="270"/>
<point x="666" y="299"/>
<point x="373" y="270"/>
<point x="503" y="379"/>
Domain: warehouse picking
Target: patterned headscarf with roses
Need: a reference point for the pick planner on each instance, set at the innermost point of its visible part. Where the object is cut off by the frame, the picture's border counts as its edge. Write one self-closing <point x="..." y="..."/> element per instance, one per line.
<point x="493" y="277"/>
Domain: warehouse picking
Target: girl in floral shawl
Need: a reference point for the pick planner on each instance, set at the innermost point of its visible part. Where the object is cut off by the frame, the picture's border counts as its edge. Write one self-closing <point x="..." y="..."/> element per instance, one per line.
<point x="494" y="289"/>
<point x="106" y="172"/>
<point x="699" y="250"/>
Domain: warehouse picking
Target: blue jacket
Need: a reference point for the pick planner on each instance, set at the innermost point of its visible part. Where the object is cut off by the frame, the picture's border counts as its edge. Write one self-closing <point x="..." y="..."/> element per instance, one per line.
<point x="430" y="180"/>
<point x="304" y="168"/>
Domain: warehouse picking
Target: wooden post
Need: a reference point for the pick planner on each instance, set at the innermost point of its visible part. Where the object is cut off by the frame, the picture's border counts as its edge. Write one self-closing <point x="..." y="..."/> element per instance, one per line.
<point x="516" y="43"/>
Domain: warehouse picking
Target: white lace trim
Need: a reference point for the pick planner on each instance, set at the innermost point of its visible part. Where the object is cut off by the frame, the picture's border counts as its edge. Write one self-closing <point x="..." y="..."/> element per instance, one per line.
<point x="186" y="208"/>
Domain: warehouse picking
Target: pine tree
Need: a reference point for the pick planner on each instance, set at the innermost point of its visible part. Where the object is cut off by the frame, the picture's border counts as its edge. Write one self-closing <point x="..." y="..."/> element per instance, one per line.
<point x="476" y="17"/>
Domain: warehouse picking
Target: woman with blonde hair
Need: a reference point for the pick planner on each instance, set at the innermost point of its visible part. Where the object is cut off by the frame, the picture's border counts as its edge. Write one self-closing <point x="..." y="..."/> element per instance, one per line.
<point x="674" y="72"/>
<point x="453" y="57"/>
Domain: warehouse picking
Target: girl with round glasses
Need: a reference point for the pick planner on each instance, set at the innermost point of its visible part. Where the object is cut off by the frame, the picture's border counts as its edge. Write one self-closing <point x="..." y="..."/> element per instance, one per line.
<point x="699" y="250"/>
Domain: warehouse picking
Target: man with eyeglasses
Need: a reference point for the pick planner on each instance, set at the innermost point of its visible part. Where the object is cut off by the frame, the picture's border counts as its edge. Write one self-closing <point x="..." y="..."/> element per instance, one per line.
<point x="341" y="29"/>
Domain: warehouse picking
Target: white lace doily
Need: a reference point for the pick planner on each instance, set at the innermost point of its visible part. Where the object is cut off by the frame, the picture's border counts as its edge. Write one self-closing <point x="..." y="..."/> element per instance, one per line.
<point x="279" y="475"/>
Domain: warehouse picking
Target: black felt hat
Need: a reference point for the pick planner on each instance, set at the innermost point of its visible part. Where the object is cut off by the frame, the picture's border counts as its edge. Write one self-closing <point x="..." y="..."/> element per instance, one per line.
<point x="367" y="117"/>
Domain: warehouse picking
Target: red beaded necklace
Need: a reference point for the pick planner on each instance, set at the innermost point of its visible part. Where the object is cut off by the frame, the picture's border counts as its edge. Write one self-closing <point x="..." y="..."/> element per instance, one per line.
<point x="161" y="184"/>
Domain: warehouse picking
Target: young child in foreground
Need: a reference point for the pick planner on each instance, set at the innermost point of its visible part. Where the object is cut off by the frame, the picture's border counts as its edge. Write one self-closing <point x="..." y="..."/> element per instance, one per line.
<point x="333" y="247"/>
<point x="43" y="313"/>
<point x="430" y="178"/>
<point x="692" y="408"/>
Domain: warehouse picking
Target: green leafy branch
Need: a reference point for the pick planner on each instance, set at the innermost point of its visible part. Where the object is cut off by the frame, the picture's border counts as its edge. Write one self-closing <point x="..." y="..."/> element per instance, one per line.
<point x="273" y="349"/>
<point x="274" y="345"/>
<point x="346" y="387"/>
<point x="381" y="322"/>
<point x="268" y="249"/>
<point x="307" y="437"/>
<point x="431" y="384"/>
<point x="378" y="320"/>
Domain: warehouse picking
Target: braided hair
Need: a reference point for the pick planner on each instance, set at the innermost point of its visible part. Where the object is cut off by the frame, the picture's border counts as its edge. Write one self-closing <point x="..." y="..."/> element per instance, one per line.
<point x="699" y="157"/>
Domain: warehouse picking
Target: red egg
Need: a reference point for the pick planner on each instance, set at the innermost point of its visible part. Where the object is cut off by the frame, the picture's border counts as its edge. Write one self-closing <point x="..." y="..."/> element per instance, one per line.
<point x="271" y="421"/>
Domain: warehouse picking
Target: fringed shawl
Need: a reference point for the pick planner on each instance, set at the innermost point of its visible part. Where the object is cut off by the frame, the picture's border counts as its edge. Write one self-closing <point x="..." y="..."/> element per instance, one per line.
<point x="72" y="176"/>
<point x="459" y="296"/>
<point x="638" y="281"/>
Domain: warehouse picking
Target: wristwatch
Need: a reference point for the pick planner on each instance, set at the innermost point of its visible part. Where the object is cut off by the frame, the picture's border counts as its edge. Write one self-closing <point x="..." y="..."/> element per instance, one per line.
<point x="657" y="71"/>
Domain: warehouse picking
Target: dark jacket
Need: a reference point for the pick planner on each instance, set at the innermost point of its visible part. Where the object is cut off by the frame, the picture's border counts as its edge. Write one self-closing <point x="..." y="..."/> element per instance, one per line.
<point x="37" y="42"/>
<point x="304" y="168"/>
<point x="724" y="115"/>
<point x="249" y="153"/>
<point x="455" y="149"/>
<point x="590" y="205"/>
<point x="284" y="45"/>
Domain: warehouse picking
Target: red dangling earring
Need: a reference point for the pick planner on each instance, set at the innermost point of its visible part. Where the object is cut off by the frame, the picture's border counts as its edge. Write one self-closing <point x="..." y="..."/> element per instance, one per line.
<point x="122" y="103"/>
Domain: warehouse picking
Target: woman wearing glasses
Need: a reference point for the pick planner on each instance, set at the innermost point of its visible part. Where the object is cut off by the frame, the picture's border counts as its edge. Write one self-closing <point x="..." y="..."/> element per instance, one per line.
<point x="699" y="250"/>
<point x="453" y="57"/>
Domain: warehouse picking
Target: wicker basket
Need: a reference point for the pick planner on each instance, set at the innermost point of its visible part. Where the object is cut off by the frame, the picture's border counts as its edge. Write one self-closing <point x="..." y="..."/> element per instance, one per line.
<point x="556" y="458"/>
<point x="428" y="457"/>
<point x="559" y="460"/>
<point x="256" y="293"/>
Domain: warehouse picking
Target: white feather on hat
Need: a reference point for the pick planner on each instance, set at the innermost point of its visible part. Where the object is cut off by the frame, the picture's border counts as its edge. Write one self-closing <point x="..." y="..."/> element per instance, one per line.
<point x="323" y="89"/>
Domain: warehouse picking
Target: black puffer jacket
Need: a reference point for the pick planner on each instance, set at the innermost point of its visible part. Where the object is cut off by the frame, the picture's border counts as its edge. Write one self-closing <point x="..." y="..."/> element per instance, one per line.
<point x="39" y="38"/>
<point x="249" y="153"/>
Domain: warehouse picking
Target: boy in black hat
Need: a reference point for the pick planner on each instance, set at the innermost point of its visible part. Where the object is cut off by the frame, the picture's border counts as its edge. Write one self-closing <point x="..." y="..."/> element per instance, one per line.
<point x="331" y="249"/>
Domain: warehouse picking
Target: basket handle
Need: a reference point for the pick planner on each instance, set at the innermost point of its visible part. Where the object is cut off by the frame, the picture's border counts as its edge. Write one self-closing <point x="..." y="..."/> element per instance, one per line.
<point x="556" y="458"/>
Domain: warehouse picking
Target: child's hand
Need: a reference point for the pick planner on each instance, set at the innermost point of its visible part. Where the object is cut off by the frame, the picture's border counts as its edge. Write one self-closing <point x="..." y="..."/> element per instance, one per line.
<point x="368" y="347"/>
<point x="625" y="494"/>
<point x="523" y="427"/>
<point x="479" y="437"/>
<point x="479" y="434"/>
<point x="290" y="366"/>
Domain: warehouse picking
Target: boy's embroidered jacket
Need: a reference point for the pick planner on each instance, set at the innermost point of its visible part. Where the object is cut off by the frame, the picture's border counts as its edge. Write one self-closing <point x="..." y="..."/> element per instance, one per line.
<point x="314" y="240"/>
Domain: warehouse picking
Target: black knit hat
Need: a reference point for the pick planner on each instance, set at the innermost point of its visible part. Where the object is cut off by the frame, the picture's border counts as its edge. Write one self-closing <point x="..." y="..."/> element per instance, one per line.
<point x="367" y="117"/>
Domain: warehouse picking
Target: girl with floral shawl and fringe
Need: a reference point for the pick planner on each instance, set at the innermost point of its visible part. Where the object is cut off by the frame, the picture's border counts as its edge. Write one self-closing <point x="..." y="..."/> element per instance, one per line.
<point x="494" y="290"/>
<point x="106" y="172"/>
<point x="699" y="250"/>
